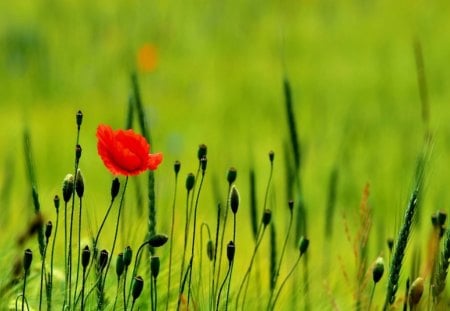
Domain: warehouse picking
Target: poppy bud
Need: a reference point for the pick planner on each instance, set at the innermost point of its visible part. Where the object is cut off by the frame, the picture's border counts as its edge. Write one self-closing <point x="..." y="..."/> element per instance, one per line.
<point x="48" y="230"/>
<point x="291" y="205"/>
<point x="138" y="284"/>
<point x="267" y="215"/>
<point x="190" y="181"/>
<point x="210" y="250"/>
<point x="234" y="200"/>
<point x="304" y="243"/>
<point x="115" y="186"/>
<point x="202" y="151"/>
<point x="127" y="255"/>
<point x="85" y="257"/>
<point x="67" y="187"/>
<point x="154" y="266"/>
<point x="79" y="118"/>
<point x="78" y="152"/>
<point x="203" y="163"/>
<point x="27" y="259"/>
<point x="231" y="176"/>
<point x="56" y="202"/>
<point x="230" y="251"/>
<point x="119" y="265"/>
<point x="177" y="167"/>
<point x="103" y="259"/>
<point x="271" y="156"/>
<point x="378" y="270"/>
<point x="79" y="184"/>
<point x="390" y="244"/>
<point x="158" y="240"/>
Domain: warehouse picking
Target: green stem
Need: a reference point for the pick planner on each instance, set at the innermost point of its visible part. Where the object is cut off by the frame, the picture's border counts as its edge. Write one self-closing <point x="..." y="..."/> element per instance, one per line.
<point x="171" y="242"/>
<point x="82" y="288"/>
<point x="186" y="233"/>
<point x="232" y="263"/>
<point x="285" y="280"/>
<point x="42" y="276"/>
<point x="79" y="248"/>
<point x="223" y="234"/>
<point x="49" y="301"/>
<point x="23" y="290"/>
<point x="213" y="289"/>
<point x="223" y="284"/>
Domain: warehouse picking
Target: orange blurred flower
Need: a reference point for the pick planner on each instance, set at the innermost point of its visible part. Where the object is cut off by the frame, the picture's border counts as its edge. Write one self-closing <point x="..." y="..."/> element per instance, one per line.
<point x="125" y="152"/>
<point x="147" y="58"/>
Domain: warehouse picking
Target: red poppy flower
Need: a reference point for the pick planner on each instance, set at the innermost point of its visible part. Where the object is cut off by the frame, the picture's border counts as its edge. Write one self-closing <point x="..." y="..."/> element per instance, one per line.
<point x="125" y="152"/>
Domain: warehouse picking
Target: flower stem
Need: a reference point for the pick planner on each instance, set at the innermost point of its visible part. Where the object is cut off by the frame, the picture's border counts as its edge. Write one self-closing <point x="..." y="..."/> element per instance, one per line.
<point x="171" y="242"/>
<point x="232" y="263"/>
<point x="79" y="247"/>
<point x="50" y="283"/>
<point x="223" y="235"/>
<point x="223" y="284"/>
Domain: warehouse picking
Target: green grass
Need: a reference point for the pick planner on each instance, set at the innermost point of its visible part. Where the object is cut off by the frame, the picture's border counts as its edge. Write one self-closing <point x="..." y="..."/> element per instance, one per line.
<point x="219" y="81"/>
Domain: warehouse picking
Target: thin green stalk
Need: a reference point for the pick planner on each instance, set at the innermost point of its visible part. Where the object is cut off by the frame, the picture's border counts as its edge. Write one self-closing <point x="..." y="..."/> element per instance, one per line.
<point x="117" y="292"/>
<point x="79" y="247"/>
<point x="261" y="231"/>
<point x="124" y="288"/>
<point x="285" y="280"/>
<point x="372" y="292"/>
<point x="281" y="258"/>
<point x="50" y="286"/>
<point x="42" y="276"/>
<point x="193" y="234"/>
<point x="171" y="239"/>
<point x="223" y="284"/>
<point x="201" y="251"/>
<point x="23" y="290"/>
<point x="116" y="230"/>
<point x="66" y="261"/>
<point x="232" y="263"/>
<point x="186" y="233"/>
<point x="213" y="291"/>
<point x="155" y="290"/>
<point x="224" y="225"/>
<point x="82" y="288"/>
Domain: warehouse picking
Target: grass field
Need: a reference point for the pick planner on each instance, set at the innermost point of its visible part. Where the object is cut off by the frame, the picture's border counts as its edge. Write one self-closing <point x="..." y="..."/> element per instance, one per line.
<point x="217" y="79"/>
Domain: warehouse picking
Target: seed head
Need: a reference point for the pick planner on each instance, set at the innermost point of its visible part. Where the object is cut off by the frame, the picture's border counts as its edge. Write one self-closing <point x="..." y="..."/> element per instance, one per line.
<point x="85" y="257"/>
<point x="190" y="181"/>
<point x="390" y="244"/>
<point x="271" y="156"/>
<point x="79" y="184"/>
<point x="154" y="266"/>
<point x="67" y="187"/>
<point x="138" y="284"/>
<point x="234" y="200"/>
<point x="115" y="187"/>
<point x="27" y="259"/>
<point x="378" y="270"/>
<point x="231" y="176"/>
<point x="416" y="291"/>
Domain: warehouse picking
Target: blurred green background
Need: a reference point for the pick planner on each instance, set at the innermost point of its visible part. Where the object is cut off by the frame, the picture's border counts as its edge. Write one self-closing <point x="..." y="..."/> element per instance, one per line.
<point x="218" y="81"/>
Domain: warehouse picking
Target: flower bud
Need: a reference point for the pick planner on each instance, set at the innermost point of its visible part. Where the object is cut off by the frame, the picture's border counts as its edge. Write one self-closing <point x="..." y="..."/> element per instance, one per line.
<point x="304" y="243"/>
<point x="442" y="217"/>
<point x="203" y="163"/>
<point x="127" y="255"/>
<point x="115" y="187"/>
<point x="154" y="266"/>
<point x="85" y="257"/>
<point x="390" y="244"/>
<point x="79" y="184"/>
<point x="202" y="151"/>
<point x="78" y="151"/>
<point x="271" y="156"/>
<point x="103" y="259"/>
<point x="48" y="230"/>
<point x="378" y="270"/>
<point x="177" y="167"/>
<point x="56" y="202"/>
<point x="119" y="265"/>
<point x="158" y="240"/>
<point x="79" y="118"/>
<point x="231" y="176"/>
<point x="231" y="249"/>
<point x="267" y="215"/>
<point x="234" y="200"/>
<point x="210" y="250"/>
<point x="27" y="259"/>
<point x="291" y="205"/>
<point x="67" y="187"/>
<point x="190" y="181"/>
<point x="138" y="284"/>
